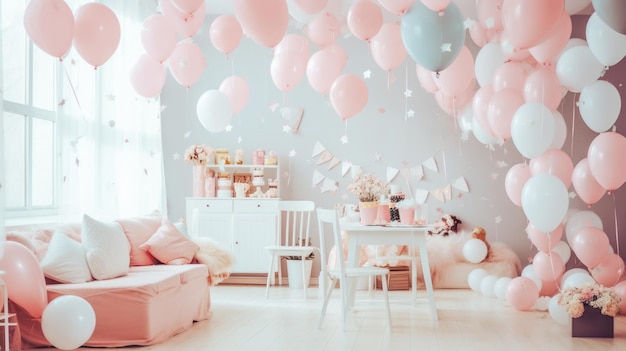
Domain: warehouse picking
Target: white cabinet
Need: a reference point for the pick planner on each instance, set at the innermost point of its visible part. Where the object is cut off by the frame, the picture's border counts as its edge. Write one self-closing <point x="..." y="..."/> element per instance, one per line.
<point x="244" y="226"/>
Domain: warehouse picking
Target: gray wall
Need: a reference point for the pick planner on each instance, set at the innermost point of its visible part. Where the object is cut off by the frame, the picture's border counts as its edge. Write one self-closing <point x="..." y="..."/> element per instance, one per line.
<point x="398" y="141"/>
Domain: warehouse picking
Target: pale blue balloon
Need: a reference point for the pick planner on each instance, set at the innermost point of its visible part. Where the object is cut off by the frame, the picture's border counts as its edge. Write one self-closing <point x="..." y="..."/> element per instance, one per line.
<point x="433" y="40"/>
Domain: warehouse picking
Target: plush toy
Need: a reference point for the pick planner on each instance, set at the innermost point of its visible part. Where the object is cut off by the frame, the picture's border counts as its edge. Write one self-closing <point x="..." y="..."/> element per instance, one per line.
<point x="480" y="233"/>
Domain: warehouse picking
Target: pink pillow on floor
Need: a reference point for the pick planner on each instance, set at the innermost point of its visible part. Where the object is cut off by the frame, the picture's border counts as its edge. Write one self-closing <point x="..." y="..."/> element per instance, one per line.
<point x="169" y="245"/>
<point x="138" y="230"/>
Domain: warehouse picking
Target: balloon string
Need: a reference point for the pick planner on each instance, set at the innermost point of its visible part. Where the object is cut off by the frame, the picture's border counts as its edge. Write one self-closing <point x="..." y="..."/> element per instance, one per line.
<point x="573" y="125"/>
<point x="616" y="228"/>
<point x="67" y="75"/>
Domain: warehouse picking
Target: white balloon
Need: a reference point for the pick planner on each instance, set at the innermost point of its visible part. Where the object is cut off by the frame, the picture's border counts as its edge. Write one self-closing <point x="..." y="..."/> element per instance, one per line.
<point x="68" y="321"/>
<point x="214" y="110"/>
<point x="575" y="6"/>
<point x="487" y="285"/>
<point x="475" y="250"/>
<point x="599" y="105"/>
<point x="529" y="272"/>
<point x="577" y="280"/>
<point x="474" y="278"/>
<point x="579" y="220"/>
<point x="542" y="303"/>
<point x="563" y="250"/>
<point x="577" y="67"/>
<point x="607" y="45"/>
<point x="570" y="44"/>
<point x="481" y="134"/>
<point x="488" y="59"/>
<point x="558" y="312"/>
<point x="532" y="129"/>
<point x="571" y="272"/>
<point x="545" y="201"/>
<point x="500" y="287"/>
<point x="298" y="14"/>
<point x="560" y="131"/>
<point x="465" y="118"/>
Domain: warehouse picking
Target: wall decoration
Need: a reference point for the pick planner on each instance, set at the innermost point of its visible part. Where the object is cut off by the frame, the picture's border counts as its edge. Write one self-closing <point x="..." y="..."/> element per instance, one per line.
<point x="461" y="184"/>
<point x="317" y="149"/>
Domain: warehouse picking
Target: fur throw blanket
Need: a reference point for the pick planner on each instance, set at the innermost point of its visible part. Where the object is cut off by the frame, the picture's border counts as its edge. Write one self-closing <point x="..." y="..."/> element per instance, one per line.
<point x="218" y="259"/>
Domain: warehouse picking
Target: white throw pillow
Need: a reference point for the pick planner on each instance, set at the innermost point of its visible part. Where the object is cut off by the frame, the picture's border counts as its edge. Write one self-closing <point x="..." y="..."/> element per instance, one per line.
<point x="65" y="260"/>
<point x="107" y="248"/>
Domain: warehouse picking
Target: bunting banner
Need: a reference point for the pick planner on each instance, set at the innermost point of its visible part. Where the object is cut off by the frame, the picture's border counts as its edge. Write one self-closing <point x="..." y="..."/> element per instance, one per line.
<point x="329" y="185"/>
<point x="420" y="196"/>
<point x="318" y="149"/>
<point x="431" y="164"/>
<point x="391" y="174"/>
<point x="345" y="167"/>
<point x="324" y="157"/>
<point x="461" y="184"/>
<point x="317" y="178"/>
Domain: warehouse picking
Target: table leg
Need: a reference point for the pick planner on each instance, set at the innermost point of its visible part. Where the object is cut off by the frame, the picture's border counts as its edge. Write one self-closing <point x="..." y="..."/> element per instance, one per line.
<point x="427" y="279"/>
<point x="352" y="261"/>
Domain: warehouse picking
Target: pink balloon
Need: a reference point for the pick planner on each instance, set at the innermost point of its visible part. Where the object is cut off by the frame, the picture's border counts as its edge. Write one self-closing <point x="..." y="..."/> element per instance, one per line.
<point x="396" y="7"/>
<point x="158" y="37"/>
<point x="454" y="104"/>
<point x="586" y="186"/>
<point x="96" y="33"/>
<point x="548" y="266"/>
<point x="510" y="75"/>
<point x="287" y="71"/>
<point x="543" y="241"/>
<point x="325" y="66"/>
<point x="501" y="110"/>
<point x="348" y="95"/>
<point x="187" y="6"/>
<point x="590" y="245"/>
<point x="426" y="79"/>
<point x="606" y="159"/>
<point x="527" y="22"/>
<point x="265" y="21"/>
<point x="186" y="63"/>
<point x="620" y="290"/>
<point x="480" y="105"/>
<point x="436" y="5"/>
<point x="609" y="271"/>
<point x="225" y="33"/>
<point x="522" y="293"/>
<point x="387" y="47"/>
<point x="147" y="76"/>
<point x="311" y="6"/>
<point x="50" y="25"/>
<point x="293" y="44"/>
<point x="478" y="35"/>
<point x="25" y="277"/>
<point x="324" y="29"/>
<point x="454" y="79"/>
<point x="543" y="85"/>
<point x="510" y="51"/>
<point x="550" y="287"/>
<point x="489" y="13"/>
<point x="186" y="24"/>
<point x="364" y="19"/>
<point x="551" y="46"/>
<point x="237" y="90"/>
<point x="555" y="162"/>
<point x="514" y="182"/>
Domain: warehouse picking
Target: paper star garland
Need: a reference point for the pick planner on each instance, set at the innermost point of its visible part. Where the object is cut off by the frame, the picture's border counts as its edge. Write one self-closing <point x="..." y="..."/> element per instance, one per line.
<point x="410" y="113"/>
<point x="292" y="153"/>
<point x="344" y="139"/>
<point x="228" y="128"/>
<point x="408" y="93"/>
<point x="367" y="74"/>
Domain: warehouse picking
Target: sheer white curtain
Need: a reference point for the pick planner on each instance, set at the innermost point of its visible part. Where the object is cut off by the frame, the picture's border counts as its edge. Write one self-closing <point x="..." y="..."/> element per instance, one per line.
<point x="110" y="137"/>
<point x="2" y="195"/>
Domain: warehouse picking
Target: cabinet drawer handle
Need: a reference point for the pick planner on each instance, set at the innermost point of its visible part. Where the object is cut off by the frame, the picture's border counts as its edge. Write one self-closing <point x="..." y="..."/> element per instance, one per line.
<point x="208" y="205"/>
<point x="258" y="205"/>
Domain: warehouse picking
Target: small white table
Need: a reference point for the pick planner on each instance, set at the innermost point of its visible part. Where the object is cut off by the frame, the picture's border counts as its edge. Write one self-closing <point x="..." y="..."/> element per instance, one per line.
<point x="392" y="235"/>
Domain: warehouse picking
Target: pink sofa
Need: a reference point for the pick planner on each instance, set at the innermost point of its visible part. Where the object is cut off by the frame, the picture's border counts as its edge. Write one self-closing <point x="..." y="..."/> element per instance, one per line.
<point x="147" y="305"/>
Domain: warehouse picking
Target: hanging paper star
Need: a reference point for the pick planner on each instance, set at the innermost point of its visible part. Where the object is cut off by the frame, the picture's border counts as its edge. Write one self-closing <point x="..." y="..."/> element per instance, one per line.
<point x="187" y="134"/>
<point x="239" y="140"/>
<point x="572" y="195"/>
<point x="286" y="129"/>
<point x="62" y="102"/>
<point x="163" y="107"/>
<point x="273" y="106"/>
<point x="381" y="110"/>
<point x="410" y="113"/>
<point x="408" y="93"/>
<point x="498" y="219"/>
<point x="502" y="164"/>
<point x="446" y="47"/>
<point x="292" y="153"/>
<point x="377" y="157"/>
<point x="469" y="23"/>
<point x="228" y="128"/>
<point x="344" y="139"/>
<point x="367" y="74"/>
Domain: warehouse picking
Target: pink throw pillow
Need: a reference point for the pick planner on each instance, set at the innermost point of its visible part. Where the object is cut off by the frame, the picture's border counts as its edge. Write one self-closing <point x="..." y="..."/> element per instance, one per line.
<point x="138" y="230"/>
<point x="169" y="245"/>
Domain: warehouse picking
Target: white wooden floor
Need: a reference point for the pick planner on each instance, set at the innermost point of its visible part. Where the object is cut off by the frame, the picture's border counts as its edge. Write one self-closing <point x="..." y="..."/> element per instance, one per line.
<point x="244" y="320"/>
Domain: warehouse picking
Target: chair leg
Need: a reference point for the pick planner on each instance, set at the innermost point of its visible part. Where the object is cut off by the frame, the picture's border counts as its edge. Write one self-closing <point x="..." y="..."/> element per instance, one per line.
<point x="304" y="279"/>
<point x="280" y="271"/>
<point x="270" y="272"/>
<point x="331" y="287"/>
<point x="385" y="291"/>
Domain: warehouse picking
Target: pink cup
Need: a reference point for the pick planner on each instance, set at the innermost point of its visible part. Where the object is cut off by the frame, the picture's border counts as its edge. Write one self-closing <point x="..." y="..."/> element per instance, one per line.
<point x="407" y="215"/>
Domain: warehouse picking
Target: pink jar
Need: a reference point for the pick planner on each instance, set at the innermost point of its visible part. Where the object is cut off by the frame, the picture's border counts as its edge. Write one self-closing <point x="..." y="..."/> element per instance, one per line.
<point x="258" y="157"/>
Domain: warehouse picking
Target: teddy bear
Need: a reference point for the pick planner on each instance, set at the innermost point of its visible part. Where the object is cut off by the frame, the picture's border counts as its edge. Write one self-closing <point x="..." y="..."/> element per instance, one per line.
<point x="481" y="233"/>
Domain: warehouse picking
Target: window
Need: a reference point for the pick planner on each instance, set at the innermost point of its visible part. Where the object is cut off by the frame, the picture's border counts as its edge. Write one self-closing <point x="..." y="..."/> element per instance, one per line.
<point x="29" y="81"/>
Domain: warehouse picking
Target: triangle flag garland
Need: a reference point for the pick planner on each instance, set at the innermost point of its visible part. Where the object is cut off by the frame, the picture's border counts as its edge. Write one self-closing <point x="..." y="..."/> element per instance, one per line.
<point x="318" y="149"/>
<point x="329" y="185"/>
<point x="431" y="164"/>
<point x="345" y="167"/>
<point x="356" y="170"/>
<point x="461" y="184"/>
<point x="324" y="157"/>
<point x="417" y="172"/>
<point x="391" y="174"/>
<point x="447" y="192"/>
<point x="333" y="163"/>
<point x="420" y="196"/>
<point x="438" y="194"/>
<point x="317" y="178"/>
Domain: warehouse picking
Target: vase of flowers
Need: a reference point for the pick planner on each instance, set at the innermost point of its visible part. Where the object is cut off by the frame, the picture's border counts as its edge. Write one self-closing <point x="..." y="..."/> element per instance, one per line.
<point x="198" y="155"/>
<point x="592" y="308"/>
<point x="368" y="188"/>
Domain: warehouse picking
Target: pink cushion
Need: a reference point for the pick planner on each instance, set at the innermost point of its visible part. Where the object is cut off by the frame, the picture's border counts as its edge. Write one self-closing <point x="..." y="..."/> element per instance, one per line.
<point x="138" y="230"/>
<point x="169" y="245"/>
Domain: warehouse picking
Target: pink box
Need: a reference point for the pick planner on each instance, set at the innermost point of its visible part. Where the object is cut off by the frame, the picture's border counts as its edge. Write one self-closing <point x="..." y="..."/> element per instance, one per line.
<point x="407" y="215"/>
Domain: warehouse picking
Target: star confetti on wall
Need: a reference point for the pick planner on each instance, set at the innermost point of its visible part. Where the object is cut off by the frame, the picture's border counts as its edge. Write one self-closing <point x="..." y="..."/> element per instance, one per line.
<point x="344" y="139"/>
<point x="367" y="74"/>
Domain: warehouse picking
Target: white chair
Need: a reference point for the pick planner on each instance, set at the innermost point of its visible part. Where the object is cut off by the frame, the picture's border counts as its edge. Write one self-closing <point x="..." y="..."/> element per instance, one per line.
<point x="328" y="219"/>
<point x="293" y="240"/>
